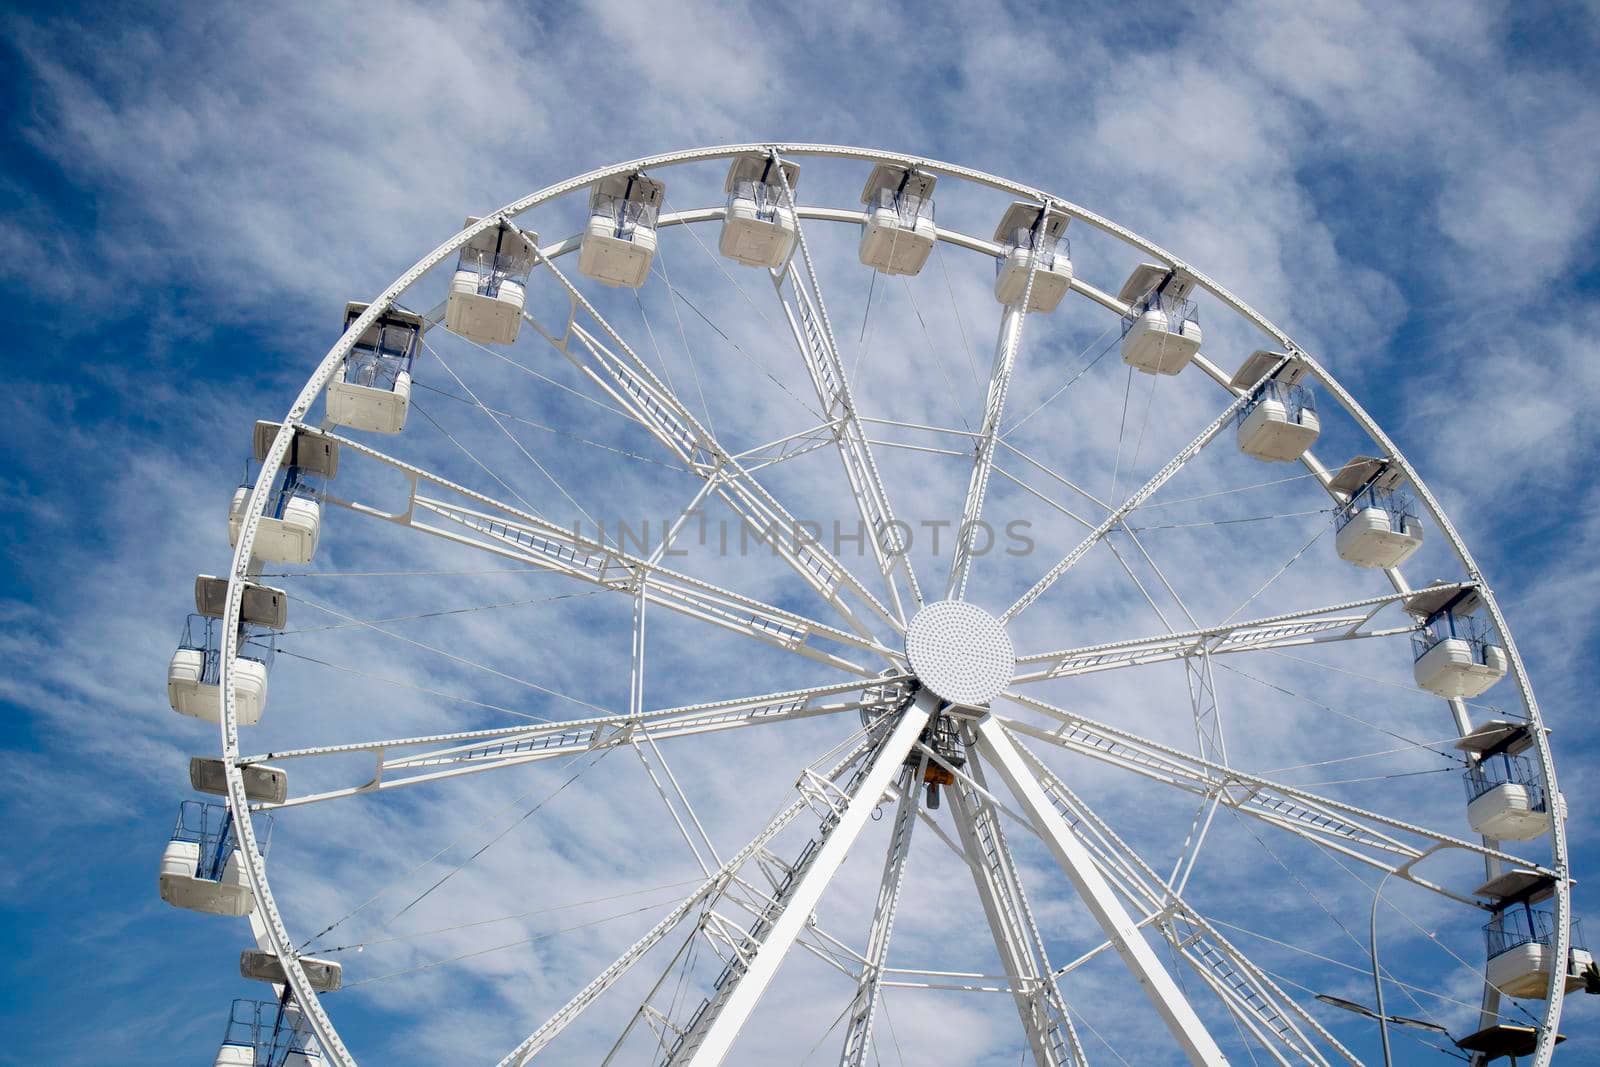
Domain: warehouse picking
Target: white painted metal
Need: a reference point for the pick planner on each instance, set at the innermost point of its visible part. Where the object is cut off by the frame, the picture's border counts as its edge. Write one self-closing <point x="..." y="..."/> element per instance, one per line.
<point x="994" y="406"/>
<point x="1052" y="1038"/>
<point x="813" y="334"/>
<point x="1244" y="987"/>
<point x="619" y="242"/>
<point x="1187" y="1030"/>
<point x="1309" y="626"/>
<point x="190" y="694"/>
<point x="287" y="537"/>
<point x="635" y="387"/>
<point x="183" y="888"/>
<point x="1143" y="493"/>
<point x="714" y="884"/>
<point x="710" y="1042"/>
<point x="279" y="447"/>
<point x="897" y="230"/>
<point x="864" y="1008"/>
<point x="1335" y="824"/>
<point x="961" y="652"/>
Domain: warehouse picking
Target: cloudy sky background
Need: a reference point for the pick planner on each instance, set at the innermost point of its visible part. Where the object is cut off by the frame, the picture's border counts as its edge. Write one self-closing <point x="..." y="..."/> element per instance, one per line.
<point x="1408" y="193"/>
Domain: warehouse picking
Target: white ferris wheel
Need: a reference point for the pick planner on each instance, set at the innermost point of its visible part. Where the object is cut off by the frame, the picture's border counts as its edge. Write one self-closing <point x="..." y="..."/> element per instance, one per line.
<point x="1162" y="716"/>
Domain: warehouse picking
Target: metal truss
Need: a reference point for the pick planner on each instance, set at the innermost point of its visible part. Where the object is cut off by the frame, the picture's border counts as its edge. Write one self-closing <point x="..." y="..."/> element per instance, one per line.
<point x="514" y="533"/>
<point x="1347" y="829"/>
<point x="864" y="1007"/>
<point x="753" y="908"/>
<point x="1306" y="627"/>
<point x="1041" y="1008"/>
<point x="1140" y="495"/>
<point x="450" y="755"/>
<point x="813" y="333"/>
<point x="632" y="385"/>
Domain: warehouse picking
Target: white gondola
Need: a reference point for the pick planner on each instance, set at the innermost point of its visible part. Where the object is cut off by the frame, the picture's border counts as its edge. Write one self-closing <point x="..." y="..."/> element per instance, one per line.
<point x="194" y="673"/>
<point x="489" y="286"/>
<point x="1161" y="330"/>
<point x="1028" y="237"/>
<point x="371" y="390"/>
<point x="1378" y="525"/>
<point x="1506" y="799"/>
<point x="759" y="226"/>
<point x="1279" y="423"/>
<point x="897" y="231"/>
<point x="325" y="976"/>
<point x="269" y="1032"/>
<point x="200" y="867"/>
<point x="1457" y="654"/>
<point x="1521" y="955"/>
<point x="620" y="240"/>
<point x="288" y="530"/>
<point x="292" y="519"/>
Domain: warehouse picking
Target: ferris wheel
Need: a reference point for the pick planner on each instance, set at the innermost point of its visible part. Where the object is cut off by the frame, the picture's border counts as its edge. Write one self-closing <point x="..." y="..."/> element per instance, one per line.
<point x="1162" y="714"/>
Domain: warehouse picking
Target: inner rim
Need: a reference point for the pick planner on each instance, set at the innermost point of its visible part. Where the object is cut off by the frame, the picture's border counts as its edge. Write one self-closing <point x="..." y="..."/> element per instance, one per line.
<point x="960" y="652"/>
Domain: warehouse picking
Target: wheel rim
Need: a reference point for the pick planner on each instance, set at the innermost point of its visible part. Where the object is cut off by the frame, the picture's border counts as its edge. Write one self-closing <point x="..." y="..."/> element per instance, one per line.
<point x="275" y="930"/>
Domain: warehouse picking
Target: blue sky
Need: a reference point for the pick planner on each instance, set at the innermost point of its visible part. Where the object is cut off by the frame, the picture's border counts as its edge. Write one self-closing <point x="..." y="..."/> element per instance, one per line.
<point x="1408" y="190"/>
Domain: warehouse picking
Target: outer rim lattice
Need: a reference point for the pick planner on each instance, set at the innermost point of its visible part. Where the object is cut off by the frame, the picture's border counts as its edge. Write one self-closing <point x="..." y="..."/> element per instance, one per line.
<point x="268" y="911"/>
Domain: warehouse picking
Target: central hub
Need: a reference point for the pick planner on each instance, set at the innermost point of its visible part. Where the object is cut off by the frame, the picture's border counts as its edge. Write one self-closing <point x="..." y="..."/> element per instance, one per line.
<point x="960" y="652"/>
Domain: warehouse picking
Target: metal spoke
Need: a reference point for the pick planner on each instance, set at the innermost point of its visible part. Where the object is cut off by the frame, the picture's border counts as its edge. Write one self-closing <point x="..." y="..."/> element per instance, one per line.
<point x="449" y="755"/>
<point x="710" y="1035"/>
<point x="1308" y="626"/>
<point x="1242" y="986"/>
<point x="705" y="892"/>
<point x="1040" y="1006"/>
<point x="864" y="1008"/>
<point x="1143" y="493"/>
<point x="520" y="535"/>
<point x="1345" y="828"/>
<point x="634" y="387"/>
<point x="813" y="333"/>
<point x="994" y="406"/>
<point x="997" y="750"/>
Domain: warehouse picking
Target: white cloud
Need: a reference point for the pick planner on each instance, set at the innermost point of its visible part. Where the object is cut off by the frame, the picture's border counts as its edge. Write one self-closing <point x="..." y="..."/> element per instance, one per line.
<point x="267" y="165"/>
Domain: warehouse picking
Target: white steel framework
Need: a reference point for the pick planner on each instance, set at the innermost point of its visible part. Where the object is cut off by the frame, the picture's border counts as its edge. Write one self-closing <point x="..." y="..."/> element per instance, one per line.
<point x="750" y="909"/>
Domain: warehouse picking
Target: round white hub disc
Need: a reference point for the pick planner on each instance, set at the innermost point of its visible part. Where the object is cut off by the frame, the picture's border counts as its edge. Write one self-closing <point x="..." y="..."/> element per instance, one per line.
<point x="960" y="651"/>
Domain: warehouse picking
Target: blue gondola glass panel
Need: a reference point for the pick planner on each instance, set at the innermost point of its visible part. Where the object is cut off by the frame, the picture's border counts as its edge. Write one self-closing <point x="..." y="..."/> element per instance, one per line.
<point x="371" y="390"/>
<point x="759" y="225"/>
<point x="201" y="867"/>
<point x="266" y="1033"/>
<point x="490" y="285"/>
<point x="897" y="230"/>
<point x="619" y="242"/>
<point x="1519" y="946"/>
<point x="1161" y="330"/>
<point x="194" y="673"/>
<point x="1029" y="238"/>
